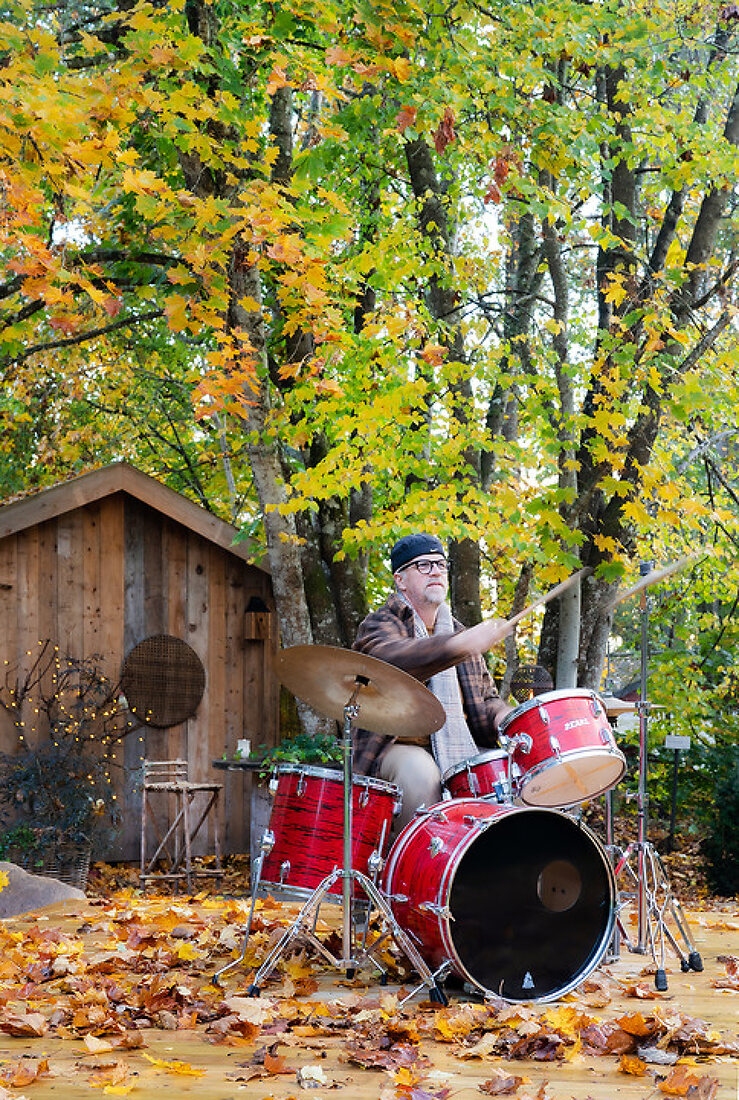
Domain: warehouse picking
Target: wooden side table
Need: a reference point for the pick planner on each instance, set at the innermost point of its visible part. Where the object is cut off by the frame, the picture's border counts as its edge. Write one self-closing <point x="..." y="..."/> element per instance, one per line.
<point x="260" y="800"/>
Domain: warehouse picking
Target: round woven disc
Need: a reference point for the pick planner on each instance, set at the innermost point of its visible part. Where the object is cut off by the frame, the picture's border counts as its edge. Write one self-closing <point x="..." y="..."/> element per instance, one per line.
<point x="163" y="680"/>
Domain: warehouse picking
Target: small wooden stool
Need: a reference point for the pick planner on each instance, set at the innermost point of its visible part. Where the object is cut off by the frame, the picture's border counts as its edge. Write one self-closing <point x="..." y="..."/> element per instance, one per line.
<point x="191" y="804"/>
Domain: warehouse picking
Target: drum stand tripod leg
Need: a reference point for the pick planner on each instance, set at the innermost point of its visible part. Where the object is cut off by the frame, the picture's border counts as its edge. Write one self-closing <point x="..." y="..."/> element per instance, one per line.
<point x="656" y="906"/>
<point x="613" y="951"/>
<point x="265" y="847"/>
<point x="305" y="922"/>
<point x="655" y="900"/>
<point x="349" y="876"/>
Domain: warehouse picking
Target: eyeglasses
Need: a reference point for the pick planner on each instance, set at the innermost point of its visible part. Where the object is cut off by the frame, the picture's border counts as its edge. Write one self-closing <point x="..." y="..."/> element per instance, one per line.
<point x="426" y="565"/>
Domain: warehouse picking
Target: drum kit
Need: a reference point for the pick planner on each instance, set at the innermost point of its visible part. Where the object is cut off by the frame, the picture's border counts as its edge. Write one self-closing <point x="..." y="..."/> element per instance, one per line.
<point x="500" y="883"/>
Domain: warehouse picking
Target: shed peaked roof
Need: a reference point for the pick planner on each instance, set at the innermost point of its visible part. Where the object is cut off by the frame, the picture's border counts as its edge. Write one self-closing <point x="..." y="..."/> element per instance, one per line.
<point x="120" y="477"/>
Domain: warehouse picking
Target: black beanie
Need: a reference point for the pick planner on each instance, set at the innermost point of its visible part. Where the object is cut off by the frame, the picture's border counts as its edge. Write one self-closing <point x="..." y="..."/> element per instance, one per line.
<point x="412" y="546"/>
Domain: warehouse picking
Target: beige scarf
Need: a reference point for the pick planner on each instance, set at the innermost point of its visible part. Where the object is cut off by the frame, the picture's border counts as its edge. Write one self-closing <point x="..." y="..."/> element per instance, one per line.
<point x="453" y="742"/>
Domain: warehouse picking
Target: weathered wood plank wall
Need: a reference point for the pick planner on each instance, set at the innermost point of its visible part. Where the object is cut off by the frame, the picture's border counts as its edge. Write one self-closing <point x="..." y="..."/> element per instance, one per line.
<point x="101" y="578"/>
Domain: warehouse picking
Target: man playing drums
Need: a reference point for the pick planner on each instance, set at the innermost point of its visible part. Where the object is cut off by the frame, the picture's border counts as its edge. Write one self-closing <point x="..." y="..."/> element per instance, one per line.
<point x="414" y="630"/>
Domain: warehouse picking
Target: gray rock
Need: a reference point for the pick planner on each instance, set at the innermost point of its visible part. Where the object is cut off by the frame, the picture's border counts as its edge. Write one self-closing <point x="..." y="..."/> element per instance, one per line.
<point x="26" y="892"/>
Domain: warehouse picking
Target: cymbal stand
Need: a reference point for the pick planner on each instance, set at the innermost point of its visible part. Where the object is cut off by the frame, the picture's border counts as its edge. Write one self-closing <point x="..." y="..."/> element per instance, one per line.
<point x="305" y="923"/>
<point x="655" y="900"/>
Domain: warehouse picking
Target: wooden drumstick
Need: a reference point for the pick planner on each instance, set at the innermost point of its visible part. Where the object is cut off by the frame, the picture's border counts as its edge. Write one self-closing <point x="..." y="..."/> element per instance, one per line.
<point x="509" y="625"/>
<point x="653" y="577"/>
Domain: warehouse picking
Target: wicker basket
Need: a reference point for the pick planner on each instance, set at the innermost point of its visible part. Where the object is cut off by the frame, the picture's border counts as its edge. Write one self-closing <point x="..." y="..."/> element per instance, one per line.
<point x="70" y="865"/>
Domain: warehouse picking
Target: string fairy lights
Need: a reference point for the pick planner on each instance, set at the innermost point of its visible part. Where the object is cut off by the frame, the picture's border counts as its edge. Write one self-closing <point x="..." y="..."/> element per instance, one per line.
<point x="69" y="717"/>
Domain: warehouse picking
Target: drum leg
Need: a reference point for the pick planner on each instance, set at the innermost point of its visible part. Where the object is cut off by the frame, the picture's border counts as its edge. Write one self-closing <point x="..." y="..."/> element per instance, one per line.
<point x="613" y="950"/>
<point x="654" y="897"/>
<point x="265" y="846"/>
<point x="305" y="921"/>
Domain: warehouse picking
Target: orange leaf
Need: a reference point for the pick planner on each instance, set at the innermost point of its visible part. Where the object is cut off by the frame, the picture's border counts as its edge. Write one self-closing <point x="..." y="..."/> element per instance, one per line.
<point x="275" y="1063"/>
<point x="405" y="117"/>
<point x="337" y="55"/>
<point x="632" y="1065"/>
<point x="433" y="354"/>
<point x="635" y="1024"/>
<point x="23" y="1023"/>
<point x="492" y="194"/>
<point x="25" y="1072"/>
<point x="682" y="1081"/>
<point x="445" y="134"/>
<point x="501" y="1083"/>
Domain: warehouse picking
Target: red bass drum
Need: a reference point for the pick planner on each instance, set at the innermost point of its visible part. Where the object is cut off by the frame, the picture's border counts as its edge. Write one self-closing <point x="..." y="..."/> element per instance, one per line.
<point x="519" y="902"/>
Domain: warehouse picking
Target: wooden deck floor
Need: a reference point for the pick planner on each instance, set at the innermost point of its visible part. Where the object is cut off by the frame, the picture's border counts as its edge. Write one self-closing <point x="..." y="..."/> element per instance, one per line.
<point x="194" y="1062"/>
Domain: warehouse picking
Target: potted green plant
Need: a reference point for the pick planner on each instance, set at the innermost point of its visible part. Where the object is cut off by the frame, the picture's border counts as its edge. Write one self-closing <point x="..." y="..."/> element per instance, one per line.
<point x="320" y="749"/>
<point x="55" y="787"/>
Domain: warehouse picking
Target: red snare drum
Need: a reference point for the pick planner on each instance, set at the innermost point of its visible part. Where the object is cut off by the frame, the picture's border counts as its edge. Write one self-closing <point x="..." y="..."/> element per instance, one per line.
<point x="520" y="902"/>
<point x="483" y="776"/>
<point x="563" y="745"/>
<point x="307" y="823"/>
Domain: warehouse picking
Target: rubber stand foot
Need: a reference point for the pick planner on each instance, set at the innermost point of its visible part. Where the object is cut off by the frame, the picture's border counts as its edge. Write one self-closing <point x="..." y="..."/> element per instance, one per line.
<point x="660" y="980"/>
<point x="695" y="961"/>
<point x="684" y="966"/>
<point x="383" y="979"/>
<point x="350" y="973"/>
<point x="253" y="991"/>
<point x="438" y="996"/>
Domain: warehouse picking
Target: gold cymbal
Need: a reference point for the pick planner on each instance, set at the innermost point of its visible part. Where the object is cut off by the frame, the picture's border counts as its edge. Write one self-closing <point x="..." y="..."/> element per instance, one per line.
<point x="615" y="706"/>
<point x="389" y="700"/>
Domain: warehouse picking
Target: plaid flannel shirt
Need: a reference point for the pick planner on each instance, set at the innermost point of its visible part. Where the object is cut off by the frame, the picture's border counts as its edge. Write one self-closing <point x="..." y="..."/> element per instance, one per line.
<point x="388" y="635"/>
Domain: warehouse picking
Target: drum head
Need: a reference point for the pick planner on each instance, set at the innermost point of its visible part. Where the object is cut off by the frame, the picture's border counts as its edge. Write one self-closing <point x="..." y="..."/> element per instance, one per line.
<point x="532" y="903"/>
<point x="573" y="778"/>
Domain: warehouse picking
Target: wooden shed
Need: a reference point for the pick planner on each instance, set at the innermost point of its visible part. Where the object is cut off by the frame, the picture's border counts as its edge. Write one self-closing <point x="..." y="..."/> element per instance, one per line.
<point x="101" y="564"/>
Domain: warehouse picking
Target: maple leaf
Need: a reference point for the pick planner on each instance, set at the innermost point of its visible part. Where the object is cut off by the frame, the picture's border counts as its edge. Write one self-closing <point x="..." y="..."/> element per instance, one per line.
<point x="456" y="1022"/>
<point x="632" y="1065"/>
<point x="25" y="1072"/>
<point x="94" y="1045"/>
<point x="277" y="79"/>
<point x="338" y="55"/>
<point x="731" y="981"/>
<point x="682" y="1081"/>
<point x="433" y="354"/>
<point x="23" y="1023"/>
<point x="178" y="1069"/>
<point x="401" y="68"/>
<point x="445" y="134"/>
<point x="109" y="1074"/>
<point x="493" y="193"/>
<point x="275" y="1063"/>
<point x="636" y="1024"/>
<point x="642" y="992"/>
<point x="502" y="1083"/>
<point x="405" y="117"/>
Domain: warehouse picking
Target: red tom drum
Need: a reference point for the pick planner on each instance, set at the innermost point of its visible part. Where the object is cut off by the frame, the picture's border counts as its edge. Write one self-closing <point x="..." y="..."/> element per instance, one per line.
<point x="519" y="902"/>
<point x="483" y="776"/>
<point x="307" y="824"/>
<point x="563" y="746"/>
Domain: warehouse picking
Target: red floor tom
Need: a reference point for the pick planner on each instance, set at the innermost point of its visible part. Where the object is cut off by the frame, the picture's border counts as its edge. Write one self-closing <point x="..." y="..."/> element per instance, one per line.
<point x="518" y="901"/>
<point x="484" y="776"/>
<point x="563" y="746"/>
<point x="307" y="824"/>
